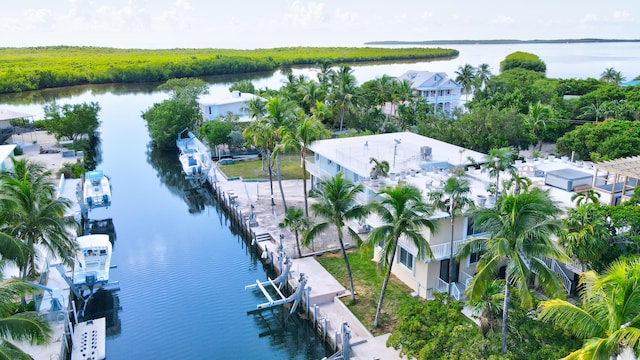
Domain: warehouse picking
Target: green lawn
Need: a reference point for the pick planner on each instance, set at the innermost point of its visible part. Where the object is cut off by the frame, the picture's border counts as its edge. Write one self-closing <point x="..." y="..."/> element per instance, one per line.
<point x="367" y="280"/>
<point x="252" y="169"/>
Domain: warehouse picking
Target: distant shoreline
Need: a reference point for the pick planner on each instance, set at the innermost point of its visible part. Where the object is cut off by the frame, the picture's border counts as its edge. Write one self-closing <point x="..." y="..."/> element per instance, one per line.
<point x="501" y="41"/>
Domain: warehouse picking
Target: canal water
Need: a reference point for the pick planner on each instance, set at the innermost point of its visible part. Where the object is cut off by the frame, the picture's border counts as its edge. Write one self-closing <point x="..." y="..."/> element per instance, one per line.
<point x="181" y="268"/>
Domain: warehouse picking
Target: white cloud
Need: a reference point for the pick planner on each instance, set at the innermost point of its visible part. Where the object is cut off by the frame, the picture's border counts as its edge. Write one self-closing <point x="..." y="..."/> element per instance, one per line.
<point x="41" y="19"/>
<point x="589" y="19"/>
<point x="304" y="14"/>
<point x="621" y="15"/>
<point x="504" y="20"/>
<point x="177" y="16"/>
<point x="426" y="15"/>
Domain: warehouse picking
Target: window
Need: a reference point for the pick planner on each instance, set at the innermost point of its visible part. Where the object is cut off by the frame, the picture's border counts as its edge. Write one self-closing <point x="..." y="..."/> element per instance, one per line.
<point x="472" y="229"/>
<point x="338" y="168"/>
<point x="209" y="110"/>
<point x="475" y="257"/>
<point x="317" y="156"/>
<point x="406" y="258"/>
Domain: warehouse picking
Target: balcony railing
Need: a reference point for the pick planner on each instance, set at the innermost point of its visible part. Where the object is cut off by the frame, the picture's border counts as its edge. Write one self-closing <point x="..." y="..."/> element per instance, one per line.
<point x="315" y="170"/>
<point x="466" y="279"/>
<point x="443" y="251"/>
<point x="556" y="268"/>
<point x="443" y="286"/>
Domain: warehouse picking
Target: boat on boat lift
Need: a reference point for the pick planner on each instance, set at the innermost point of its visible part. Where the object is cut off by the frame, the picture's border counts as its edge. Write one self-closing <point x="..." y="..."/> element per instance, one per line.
<point x="96" y="190"/>
<point x="92" y="264"/>
<point x="194" y="156"/>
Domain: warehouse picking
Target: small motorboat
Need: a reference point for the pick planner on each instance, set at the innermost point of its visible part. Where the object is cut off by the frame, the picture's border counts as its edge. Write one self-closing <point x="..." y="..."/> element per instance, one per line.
<point x="93" y="261"/>
<point x="194" y="156"/>
<point x="96" y="190"/>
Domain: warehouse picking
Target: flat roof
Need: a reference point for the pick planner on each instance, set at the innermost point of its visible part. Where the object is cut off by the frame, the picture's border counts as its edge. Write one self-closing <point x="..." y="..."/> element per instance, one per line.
<point x="570" y="174"/>
<point x="13" y="115"/>
<point x="229" y="98"/>
<point x="354" y="153"/>
<point x="402" y="150"/>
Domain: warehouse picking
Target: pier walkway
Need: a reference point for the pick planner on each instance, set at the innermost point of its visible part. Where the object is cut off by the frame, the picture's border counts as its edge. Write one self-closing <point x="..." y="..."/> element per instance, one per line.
<point x="253" y="201"/>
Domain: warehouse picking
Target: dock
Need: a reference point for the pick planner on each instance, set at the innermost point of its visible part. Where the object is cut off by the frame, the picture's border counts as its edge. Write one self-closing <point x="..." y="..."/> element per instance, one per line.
<point x="248" y="206"/>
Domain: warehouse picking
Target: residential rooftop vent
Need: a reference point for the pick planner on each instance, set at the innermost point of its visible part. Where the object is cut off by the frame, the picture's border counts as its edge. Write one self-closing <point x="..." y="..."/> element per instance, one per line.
<point x="425" y="152"/>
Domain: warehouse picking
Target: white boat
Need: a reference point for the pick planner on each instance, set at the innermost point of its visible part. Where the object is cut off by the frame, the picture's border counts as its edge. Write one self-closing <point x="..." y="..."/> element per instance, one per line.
<point x="93" y="261"/>
<point x="96" y="189"/>
<point x="194" y="156"/>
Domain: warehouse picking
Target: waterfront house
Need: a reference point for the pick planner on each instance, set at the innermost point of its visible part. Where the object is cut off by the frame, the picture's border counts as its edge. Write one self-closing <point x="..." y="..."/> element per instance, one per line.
<point x="423" y="162"/>
<point x="235" y="102"/>
<point x="436" y="87"/>
<point x="8" y="119"/>
<point x="427" y="163"/>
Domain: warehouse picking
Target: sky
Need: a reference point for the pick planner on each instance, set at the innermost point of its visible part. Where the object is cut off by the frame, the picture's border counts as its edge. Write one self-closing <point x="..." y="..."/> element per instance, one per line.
<point x="247" y="24"/>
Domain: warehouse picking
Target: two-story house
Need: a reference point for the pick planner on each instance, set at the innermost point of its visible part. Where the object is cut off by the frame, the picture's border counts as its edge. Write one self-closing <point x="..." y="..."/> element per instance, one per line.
<point x="235" y="102"/>
<point x="436" y="87"/>
<point x="427" y="163"/>
<point x="423" y="162"/>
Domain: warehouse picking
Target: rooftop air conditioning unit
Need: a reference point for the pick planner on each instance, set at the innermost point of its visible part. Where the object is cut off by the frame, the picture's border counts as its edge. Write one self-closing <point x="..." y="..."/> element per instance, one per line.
<point x="425" y="152"/>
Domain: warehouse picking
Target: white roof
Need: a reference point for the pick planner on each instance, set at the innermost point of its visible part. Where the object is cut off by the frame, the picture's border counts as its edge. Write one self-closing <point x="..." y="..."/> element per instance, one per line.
<point x="355" y="153"/>
<point x="426" y="80"/>
<point x="229" y="98"/>
<point x="12" y="115"/>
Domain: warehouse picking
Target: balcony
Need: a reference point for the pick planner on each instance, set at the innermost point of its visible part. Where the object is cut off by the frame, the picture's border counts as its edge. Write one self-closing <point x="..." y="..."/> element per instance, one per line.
<point x="443" y="251"/>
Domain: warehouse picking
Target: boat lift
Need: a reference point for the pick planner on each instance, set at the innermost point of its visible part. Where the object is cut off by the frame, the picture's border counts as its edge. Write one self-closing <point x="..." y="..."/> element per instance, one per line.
<point x="277" y="284"/>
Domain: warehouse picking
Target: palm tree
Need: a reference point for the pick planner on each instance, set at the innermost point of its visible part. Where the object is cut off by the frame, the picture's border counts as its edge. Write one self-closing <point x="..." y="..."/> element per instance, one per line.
<point x="281" y="113"/>
<point x="343" y="92"/>
<point x="452" y="199"/>
<point x="307" y="131"/>
<point x="537" y="119"/>
<point x="404" y="215"/>
<point x="489" y="306"/>
<point x="36" y="217"/>
<point x="499" y="160"/>
<point x="380" y="168"/>
<point x="295" y="221"/>
<point x="325" y="73"/>
<point x="611" y="76"/>
<point x="594" y="110"/>
<point x="584" y="197"/>
<point x="256" y="108"/>
<point x="337" y="205"/>
<point x="518" y="183"/>
<point x="260" y="133"/>
<point x="584" y="234"/>
<point x="482" y="75"/>
<point x="311" y="92"/>
<point x="466" y="78"/>
<point x="608" y="317"/>
<point x="520" y="229"/>
<point x="19" y="326"/>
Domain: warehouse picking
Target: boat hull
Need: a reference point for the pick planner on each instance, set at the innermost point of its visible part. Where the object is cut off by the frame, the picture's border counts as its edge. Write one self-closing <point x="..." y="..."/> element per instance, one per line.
<point x="194" y="156"/>
<point x="96" y="190"/>
<point x="93" y="262"/>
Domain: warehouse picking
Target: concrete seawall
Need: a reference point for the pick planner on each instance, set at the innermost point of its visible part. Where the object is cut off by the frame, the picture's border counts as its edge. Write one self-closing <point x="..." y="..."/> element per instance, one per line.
<point x="248" y="205"/>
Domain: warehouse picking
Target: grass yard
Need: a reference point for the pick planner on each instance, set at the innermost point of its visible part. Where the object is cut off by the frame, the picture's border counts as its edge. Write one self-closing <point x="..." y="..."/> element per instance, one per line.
<point x="252" y="169"/>
<point x="367" y="280"/>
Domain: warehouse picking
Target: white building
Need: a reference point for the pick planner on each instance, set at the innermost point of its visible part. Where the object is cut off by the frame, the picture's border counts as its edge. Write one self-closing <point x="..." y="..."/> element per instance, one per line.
<point x="436" y="87"/>
<point x="427" y="163"/>
<point x="236" y="102"/>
